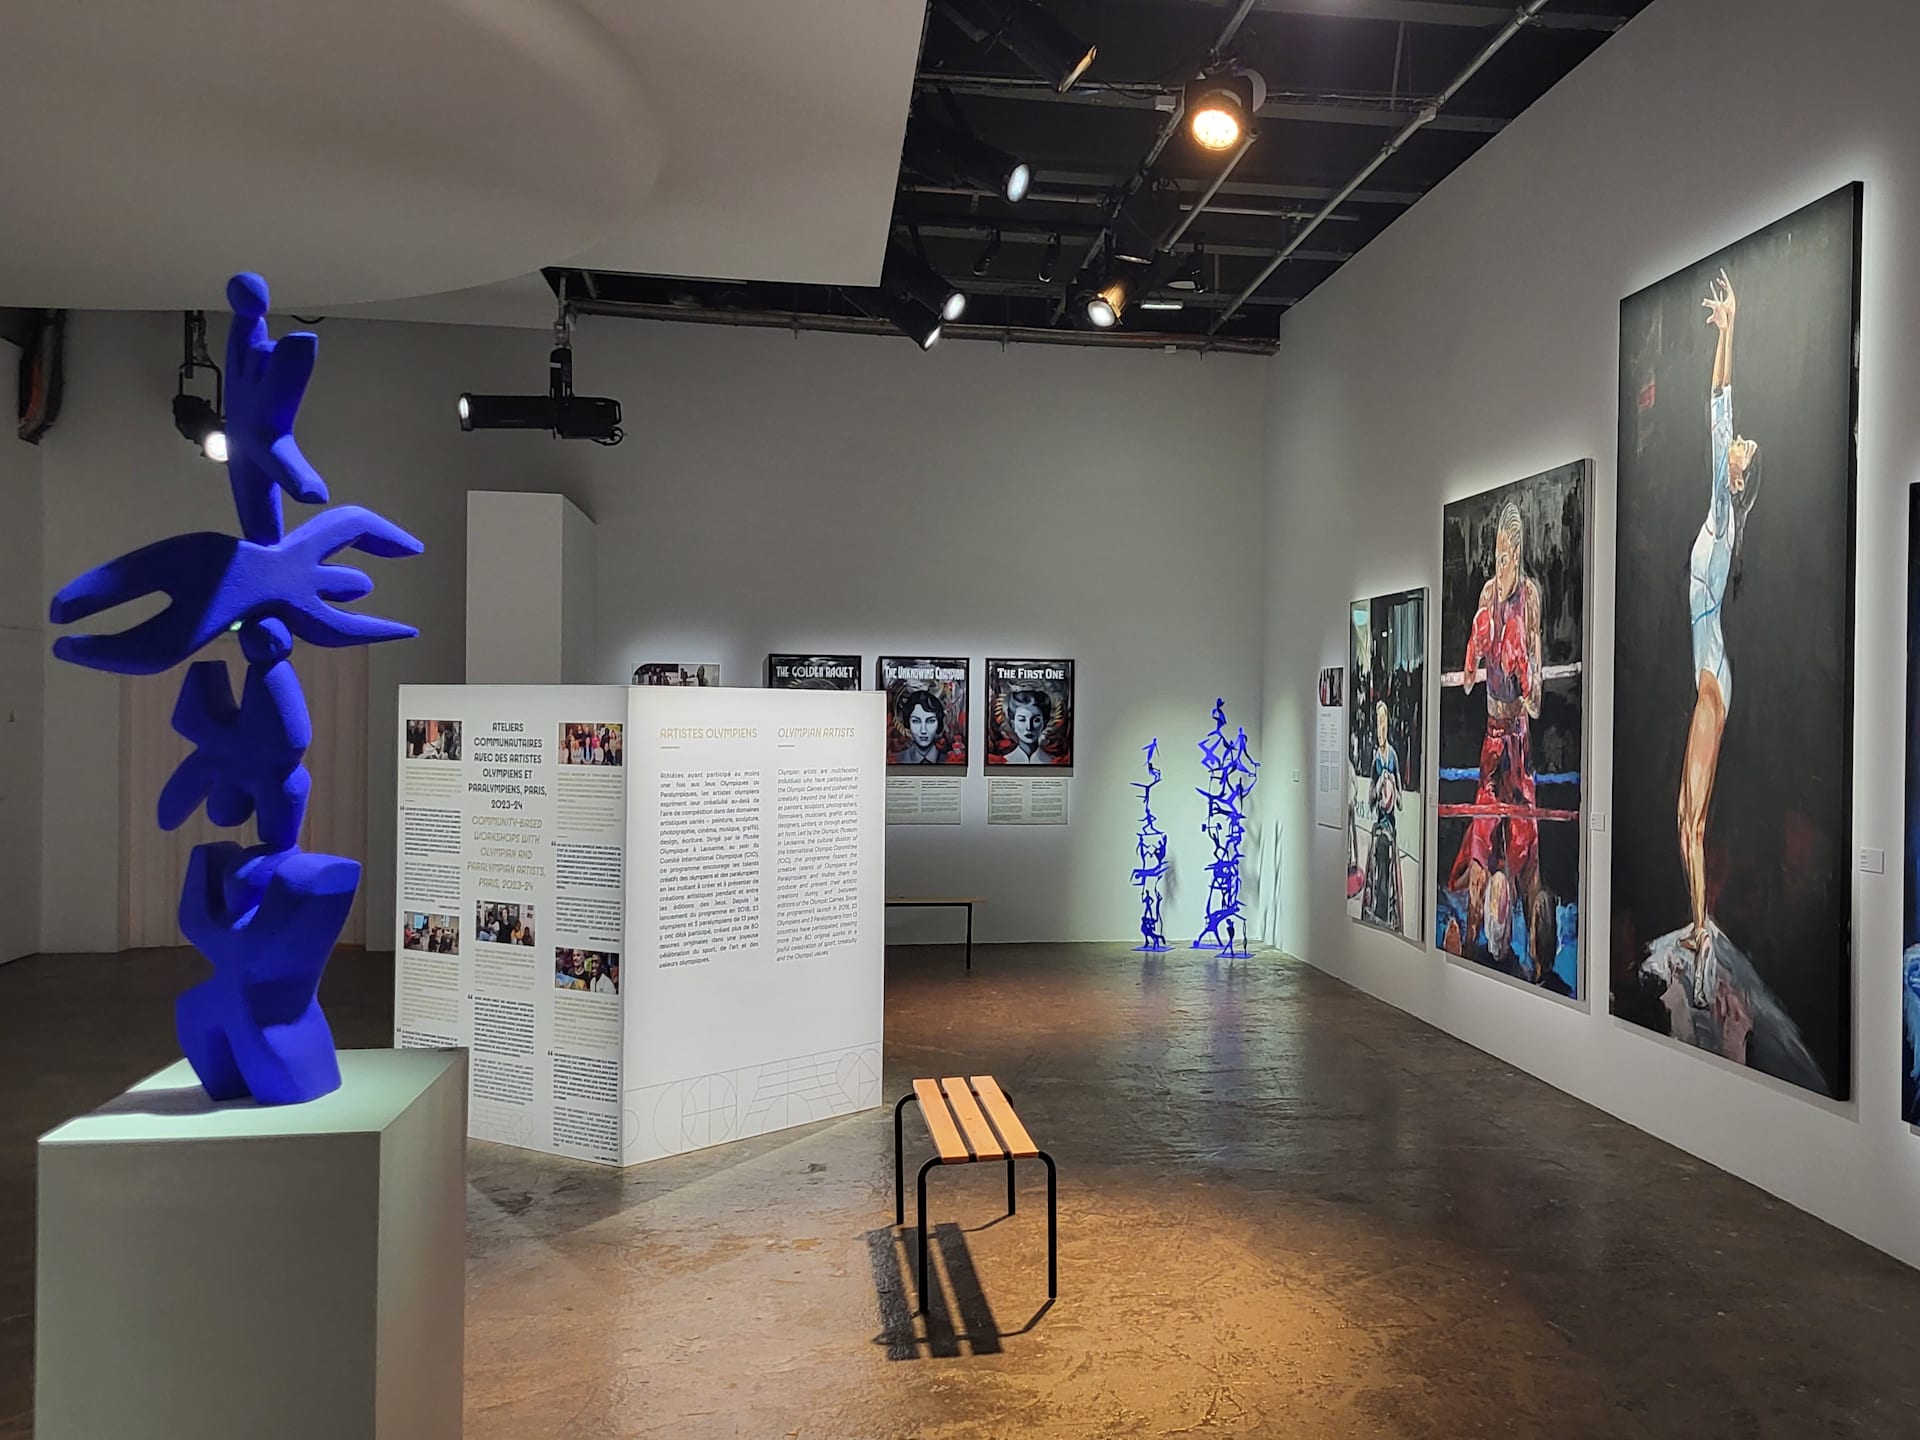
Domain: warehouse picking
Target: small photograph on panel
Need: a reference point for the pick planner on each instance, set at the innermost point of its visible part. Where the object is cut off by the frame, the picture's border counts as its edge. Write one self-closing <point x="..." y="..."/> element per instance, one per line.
<point x="597" y="971"/>
<point x="680" y="673"/>
<point x="433" y="739"/>
<point x="496" y="922"/>
<point x="1029" y="712"/>
<point x="591" y="743"/>
<point x="1331" y="687"/>
<point x="926" y="711"/>
<point x="813" y="672"/>
<point x="433" y="934"/>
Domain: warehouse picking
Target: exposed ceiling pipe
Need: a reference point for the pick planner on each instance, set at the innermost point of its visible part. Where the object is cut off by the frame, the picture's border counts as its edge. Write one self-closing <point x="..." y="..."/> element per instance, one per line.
<point x="1172" y="237"/>
<point x="861" y="325"/>
<point x="1521" y="19"/>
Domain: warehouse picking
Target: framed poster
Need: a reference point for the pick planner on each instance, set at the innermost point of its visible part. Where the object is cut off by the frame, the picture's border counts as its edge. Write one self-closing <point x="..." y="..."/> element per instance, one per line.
<point x="676" y="673"/>
<point x="1733" y="693"/>
<point x="1512" y="619"/>
<point x="1029" y="712"/>
<point x="926" y="711"/>
<point x="1386" y="741"/>
<point x="813" y="672"/>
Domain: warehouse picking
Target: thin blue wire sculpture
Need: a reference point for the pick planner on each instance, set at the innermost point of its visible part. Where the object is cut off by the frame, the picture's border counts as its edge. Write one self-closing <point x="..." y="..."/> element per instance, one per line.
<point x="266" y="916"/>
<point x="1233" y="774"/>
<point x="1150" y="849"/>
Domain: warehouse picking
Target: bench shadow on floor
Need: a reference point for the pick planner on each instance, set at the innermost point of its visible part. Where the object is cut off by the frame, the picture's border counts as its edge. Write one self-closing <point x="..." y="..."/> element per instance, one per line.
<point x="959" y="1318"/>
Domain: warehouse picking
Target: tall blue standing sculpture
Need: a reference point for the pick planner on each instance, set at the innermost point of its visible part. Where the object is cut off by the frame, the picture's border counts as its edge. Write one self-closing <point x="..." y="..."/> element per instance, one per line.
<point x="1150" y="849"/>
<point x="1232" y="774"/>
<point x="265" y="915"/>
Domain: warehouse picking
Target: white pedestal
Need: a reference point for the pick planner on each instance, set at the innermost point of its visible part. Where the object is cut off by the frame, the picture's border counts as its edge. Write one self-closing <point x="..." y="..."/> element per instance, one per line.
<point x="227" y="1271"/>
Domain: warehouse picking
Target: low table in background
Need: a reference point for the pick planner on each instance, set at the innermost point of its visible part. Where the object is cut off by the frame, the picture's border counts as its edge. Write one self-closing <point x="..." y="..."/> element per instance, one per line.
<point x="942" y="902"/>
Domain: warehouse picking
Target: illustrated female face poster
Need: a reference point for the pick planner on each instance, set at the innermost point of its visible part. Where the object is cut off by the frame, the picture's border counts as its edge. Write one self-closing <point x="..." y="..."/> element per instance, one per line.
<point x="926" y="711"/>
<point x="1029" y="712"/>
<point x="1733" y="695"/>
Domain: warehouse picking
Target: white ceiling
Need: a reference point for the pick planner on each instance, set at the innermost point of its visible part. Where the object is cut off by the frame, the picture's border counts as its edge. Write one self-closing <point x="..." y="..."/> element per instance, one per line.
<point x="365" y="152"/>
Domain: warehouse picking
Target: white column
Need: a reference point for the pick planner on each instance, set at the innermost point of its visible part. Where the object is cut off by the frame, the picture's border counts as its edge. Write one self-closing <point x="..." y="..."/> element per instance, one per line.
<point x="529" y="590"/>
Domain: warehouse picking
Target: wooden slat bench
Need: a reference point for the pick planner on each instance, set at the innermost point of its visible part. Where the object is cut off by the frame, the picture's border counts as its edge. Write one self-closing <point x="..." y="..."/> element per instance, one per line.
<point x="970" y="1120"/>
<point x="941" y="902"/>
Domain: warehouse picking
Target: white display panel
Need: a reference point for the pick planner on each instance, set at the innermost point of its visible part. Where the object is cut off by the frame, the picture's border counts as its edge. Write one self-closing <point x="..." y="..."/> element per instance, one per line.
<point x="512" y="821"/>
<point x="755" y="902"/>
<point x="721" y="977"/>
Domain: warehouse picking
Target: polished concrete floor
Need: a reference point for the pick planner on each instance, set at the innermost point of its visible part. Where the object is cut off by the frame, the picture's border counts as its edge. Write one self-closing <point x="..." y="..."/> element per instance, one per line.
<point x="1285" y="1210"/>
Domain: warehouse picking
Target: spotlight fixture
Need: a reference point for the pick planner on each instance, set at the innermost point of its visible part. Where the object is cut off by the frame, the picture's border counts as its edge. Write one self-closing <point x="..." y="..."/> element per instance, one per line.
<point x="989" y="253"/>
<point x="912" y="319"/>
<point x="1103" y="306"/>
<point x="1037" y="40"/>
<point x="566" y="415"/>
<point x="948" y="155"/>
<point x="1220" y="106"/>
<point x="905" y="272"/>
<point x="197" y="418"/>
<point x="1192" y="274"/>
<point x="1050" y="259"/>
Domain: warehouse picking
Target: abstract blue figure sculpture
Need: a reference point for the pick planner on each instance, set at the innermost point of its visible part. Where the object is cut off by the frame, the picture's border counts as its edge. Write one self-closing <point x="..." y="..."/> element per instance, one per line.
<point x="265" y="916"/>
<point x="1150" y="848"/>
<point x="1233" y="774"/>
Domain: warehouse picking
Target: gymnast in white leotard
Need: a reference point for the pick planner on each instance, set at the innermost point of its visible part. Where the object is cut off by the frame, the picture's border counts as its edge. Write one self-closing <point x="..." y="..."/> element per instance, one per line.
<point x="1710" y="568"/>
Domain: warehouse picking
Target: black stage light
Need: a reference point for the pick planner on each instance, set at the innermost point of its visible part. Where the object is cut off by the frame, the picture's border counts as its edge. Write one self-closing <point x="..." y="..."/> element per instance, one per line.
<point x="194" y="416"/>
<point x="905" y="274"/>
<point x="948" y="155"/>
<point x="1041" y="43"/>
<point x="1220" y="107"/>
<point x="989" y="253"/>
<point x="1118" y="287"/>
<point x="912" y="319"/>
<point x="565" y="414"/>
<point x="1050" y="259"/>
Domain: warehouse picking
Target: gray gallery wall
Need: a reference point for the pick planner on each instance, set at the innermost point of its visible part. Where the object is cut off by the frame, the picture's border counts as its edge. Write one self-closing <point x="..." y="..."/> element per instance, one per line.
<point x="775" y="492"/>
<point x="1475" y="343"/>
<point x="22" y="608"/>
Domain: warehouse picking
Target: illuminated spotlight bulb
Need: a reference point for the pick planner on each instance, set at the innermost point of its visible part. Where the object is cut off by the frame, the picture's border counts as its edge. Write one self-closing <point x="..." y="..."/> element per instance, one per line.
<point x="1220" y="107"/>
<point x="955" y="307"/>
<point x="1018" y="180"/>
<point x="1216" y="127"/>
<point x="466" y="412"/>
<point x="1100" y="312"/>
<point x="215" y="447"/>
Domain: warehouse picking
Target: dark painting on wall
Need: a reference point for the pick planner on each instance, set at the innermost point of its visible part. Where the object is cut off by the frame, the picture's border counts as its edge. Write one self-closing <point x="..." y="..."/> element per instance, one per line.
<point x="1910" y="889"/>
<point x="1386" y="741"/>
<point x="1733" y="700"/>
<point x="1029" y="712"/>
<point x="926" y="710"/>
<point x="813" y="672"/>
<point x="1512" y="635"/>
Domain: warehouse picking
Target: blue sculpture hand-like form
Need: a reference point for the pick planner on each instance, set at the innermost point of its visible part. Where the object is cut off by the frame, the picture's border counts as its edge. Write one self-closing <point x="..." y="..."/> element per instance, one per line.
<point x="1150" y="849"/>
<point x="1234" y="774"/>
<point x="266" y="917"/>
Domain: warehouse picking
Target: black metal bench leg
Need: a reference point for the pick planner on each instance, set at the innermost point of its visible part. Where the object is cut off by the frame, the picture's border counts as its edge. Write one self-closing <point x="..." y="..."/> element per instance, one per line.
<point x="899" y="1165"/>
<point x="1010" y="1197"/>
<point x="969" y="939"/>
<point x="1053" y="1232"/>
<point x="924" y="1245"/>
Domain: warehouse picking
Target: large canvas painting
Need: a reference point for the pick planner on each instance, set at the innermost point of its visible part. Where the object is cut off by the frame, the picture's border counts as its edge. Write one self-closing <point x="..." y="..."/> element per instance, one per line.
<point x="1512" y="627"/>
<point x="1386" y="741"/>
<point x="1733" y="700"/>
<point x="1910" y="923"/>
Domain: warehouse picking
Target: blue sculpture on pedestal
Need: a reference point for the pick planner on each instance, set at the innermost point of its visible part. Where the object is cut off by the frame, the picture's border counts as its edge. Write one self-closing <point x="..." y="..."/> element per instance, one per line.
<point x="266" y="916"/>
<point x="1150" y="848"/>
<point x="1233" y="774"/>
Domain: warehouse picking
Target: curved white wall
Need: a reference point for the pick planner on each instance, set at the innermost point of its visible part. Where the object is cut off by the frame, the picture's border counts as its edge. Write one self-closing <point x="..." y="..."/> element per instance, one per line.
<point x="1475" y="343"/>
